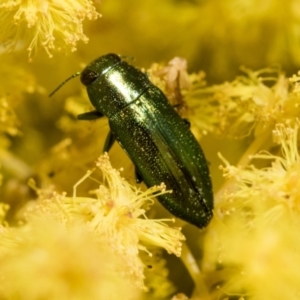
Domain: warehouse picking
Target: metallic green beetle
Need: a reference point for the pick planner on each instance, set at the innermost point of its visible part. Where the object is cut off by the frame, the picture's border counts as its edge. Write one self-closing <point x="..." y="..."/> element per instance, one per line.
<point x="155" y="137"/>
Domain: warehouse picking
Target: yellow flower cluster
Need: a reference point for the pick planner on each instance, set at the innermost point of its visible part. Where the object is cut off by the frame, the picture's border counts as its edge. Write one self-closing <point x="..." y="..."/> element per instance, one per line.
<point x="48" y="24"/>
<point x="252" y="246"/>
<point x="74" y="243"/>
<point x="253" y="102"/>
<point x="103" y="242"/>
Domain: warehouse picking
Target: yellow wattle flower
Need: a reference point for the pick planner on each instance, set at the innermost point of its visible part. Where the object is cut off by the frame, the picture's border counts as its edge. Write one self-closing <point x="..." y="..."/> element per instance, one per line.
<point x="47" y="24"/>
<point x="252" y="246"/>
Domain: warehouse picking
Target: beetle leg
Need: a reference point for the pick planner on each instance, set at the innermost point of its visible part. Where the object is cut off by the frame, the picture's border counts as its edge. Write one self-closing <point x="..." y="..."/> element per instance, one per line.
<point x="138" y="176"/>
<point x="91" y="115"/>
<point x="110" y="139"/>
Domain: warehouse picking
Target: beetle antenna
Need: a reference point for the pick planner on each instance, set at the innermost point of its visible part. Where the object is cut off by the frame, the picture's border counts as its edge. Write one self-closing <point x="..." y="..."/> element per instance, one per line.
<point x="63" y="83"/>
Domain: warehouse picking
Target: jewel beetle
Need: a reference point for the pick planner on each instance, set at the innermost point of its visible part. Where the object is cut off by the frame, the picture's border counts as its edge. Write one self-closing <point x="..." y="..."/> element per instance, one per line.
<point x="157" y="140"/>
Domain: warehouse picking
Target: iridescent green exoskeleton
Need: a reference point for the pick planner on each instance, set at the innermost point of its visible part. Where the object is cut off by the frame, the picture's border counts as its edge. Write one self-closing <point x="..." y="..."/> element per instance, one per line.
<point x="155" y="137"/>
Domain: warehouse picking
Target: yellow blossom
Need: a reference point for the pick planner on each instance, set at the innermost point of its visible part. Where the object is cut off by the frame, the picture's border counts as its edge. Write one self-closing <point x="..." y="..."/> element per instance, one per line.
<point x="253" y="102"/>
<point x="83" y="247"/>
<point x="117" y="214"/>
<point x="50" y="24"/>
<point x="17" y="83"/>
<point x="156" y="275"/>
<point x="252" y="247"/>
<point x="47" y="260"/>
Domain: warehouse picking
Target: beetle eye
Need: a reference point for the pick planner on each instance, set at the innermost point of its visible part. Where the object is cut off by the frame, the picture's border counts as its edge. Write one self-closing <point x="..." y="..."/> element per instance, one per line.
<point x="88" y="76"/>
